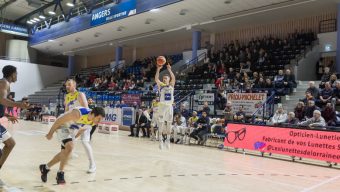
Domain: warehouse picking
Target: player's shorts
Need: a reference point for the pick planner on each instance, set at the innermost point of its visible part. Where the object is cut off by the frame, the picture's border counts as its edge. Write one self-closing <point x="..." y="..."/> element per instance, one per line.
<point x="165" y="113"/>
<point x="4" y="134"/>
<point x="63" y="142"/>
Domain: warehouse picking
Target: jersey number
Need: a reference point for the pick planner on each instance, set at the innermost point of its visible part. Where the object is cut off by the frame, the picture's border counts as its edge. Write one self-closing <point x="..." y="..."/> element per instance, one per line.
<point x="167" y="96"/>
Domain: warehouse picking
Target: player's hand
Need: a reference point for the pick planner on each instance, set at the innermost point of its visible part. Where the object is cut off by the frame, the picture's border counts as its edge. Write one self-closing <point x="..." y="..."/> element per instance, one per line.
<point x="159" y="67"/>
<point x="49" y="136"/>
<point x="168" y="66"/>
<point x="12" y="119"/>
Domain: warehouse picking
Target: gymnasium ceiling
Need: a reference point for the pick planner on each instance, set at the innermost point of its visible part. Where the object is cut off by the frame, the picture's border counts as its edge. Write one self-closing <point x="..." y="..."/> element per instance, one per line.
<point x="206" y="15"/>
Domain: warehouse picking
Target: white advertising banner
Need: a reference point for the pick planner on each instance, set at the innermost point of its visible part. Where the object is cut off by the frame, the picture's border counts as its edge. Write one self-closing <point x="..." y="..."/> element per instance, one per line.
<point x="113" y="115"/>
<point x="250" y="101"/>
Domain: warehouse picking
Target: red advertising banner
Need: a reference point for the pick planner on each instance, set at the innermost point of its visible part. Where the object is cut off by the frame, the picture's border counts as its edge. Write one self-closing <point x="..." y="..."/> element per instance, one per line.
<point x="131" y="98"/>
<point x="319" y="145"/>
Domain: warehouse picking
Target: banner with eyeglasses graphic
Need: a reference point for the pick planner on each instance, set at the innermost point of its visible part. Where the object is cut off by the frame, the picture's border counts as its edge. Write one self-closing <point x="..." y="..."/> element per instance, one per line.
<point x="312" y="144"/>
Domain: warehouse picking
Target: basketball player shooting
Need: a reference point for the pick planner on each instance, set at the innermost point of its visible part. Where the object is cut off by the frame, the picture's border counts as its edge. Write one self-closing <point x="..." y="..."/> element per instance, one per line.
<point x="165" y="110"/>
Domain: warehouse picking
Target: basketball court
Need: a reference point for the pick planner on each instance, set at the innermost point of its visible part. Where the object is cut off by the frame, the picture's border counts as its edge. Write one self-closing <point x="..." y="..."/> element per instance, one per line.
<point x="127" y="164"/>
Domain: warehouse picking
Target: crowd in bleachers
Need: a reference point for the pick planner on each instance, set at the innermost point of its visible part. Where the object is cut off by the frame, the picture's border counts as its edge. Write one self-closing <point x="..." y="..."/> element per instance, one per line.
<point x="132" y="77"/>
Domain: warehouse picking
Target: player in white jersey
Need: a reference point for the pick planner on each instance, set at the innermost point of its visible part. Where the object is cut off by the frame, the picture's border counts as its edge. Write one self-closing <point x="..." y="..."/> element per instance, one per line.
<point x="74" y="99"/>
<point x="165" y="109"/>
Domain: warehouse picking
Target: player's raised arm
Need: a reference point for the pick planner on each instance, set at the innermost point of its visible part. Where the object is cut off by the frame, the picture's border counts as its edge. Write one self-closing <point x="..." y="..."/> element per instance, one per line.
<point x="67" y="117"/>
<point x="172" y="75"/>
<point x="157" y="75"/>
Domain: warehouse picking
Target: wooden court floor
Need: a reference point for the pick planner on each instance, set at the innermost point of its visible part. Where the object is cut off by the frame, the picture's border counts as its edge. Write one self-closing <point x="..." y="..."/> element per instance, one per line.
<point x="134" y="164"/>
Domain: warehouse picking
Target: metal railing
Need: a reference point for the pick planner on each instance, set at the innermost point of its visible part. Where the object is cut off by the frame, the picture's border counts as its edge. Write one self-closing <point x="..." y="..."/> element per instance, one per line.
<point x="266" y="109"/>
<point x="193" y="61"/>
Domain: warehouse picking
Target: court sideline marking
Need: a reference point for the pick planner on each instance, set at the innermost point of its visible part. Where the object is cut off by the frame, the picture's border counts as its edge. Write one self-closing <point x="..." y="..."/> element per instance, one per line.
<point x="320" y="184"/>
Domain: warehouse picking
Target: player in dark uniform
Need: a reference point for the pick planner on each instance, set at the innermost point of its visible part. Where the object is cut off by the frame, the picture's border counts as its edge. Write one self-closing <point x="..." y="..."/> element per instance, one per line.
<point x="9" y="76"/>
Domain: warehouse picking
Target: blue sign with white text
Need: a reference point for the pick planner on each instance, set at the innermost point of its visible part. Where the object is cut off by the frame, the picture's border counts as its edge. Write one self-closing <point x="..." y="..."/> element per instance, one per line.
<point x="13" y="29"/>
<point x="114" y="13"/>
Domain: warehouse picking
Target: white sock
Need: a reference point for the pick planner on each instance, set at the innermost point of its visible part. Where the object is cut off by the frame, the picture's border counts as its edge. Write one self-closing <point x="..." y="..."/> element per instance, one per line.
<point x="89" y="153"/>
<point x="46" y="167"/>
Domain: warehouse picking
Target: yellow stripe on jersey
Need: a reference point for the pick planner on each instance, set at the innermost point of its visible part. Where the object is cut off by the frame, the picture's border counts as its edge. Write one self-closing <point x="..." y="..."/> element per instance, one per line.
<point x="84" y="119"/>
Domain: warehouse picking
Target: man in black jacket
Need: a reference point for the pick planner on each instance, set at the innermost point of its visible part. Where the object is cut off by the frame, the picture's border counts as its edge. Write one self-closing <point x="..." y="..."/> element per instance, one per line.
<point x="202" y="127"/>
<point x="140" y="123"/>
<point x="289" y="81"/>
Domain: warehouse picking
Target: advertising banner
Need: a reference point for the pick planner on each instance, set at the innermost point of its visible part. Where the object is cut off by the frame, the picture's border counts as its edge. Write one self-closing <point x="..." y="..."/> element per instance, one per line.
<point x="13" y="29"/>
<point x="250" y="101"/>
<point x="113" y="115"/>
<point x="128" y="116"/>
<point x="312" y="144"/>
<point x="113" y="13"/>
<point x="200" y="98"/>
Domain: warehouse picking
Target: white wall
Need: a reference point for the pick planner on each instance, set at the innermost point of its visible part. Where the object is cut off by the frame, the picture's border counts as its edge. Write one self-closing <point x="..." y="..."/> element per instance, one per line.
<point x="327" y="42"/>
<point x="17" y="49"/>
<point x="33" y="77"/>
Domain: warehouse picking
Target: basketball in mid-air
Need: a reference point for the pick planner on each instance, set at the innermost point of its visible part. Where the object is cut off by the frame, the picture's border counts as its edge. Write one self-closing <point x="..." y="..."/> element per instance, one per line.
<point x="161" y="60"/>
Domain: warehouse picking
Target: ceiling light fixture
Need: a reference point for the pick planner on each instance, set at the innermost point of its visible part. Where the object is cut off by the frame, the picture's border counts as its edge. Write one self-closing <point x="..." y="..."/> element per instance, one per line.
<point x="29" y="22"/>
<point x="70" y="4"/>
<point x="36" y="19"/>
<point x="42" y="17"/>
<point x="33" y="21"/>
<point x="51" y="12"/>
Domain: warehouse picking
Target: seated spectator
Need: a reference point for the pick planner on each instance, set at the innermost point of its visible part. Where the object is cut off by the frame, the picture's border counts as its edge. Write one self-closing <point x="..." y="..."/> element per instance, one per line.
<point x="309" y="109"/>
<point x="299" y="111"/>
<point x="141" y="122"/>
<point x="179" y="127"/>
<point x="280" y="116"/>
<point x="315" y="121"/>
<point x="245" y="67"/>
<point x="269" y="84"/>
<point x="206" y="107"/>
<point x="326" y="94"/>
<point x="219" y="82"/>
<point x="289" y="81"/>
<point x="325" y="77"/>
<point x="44" y="111"/>
<point x="279" y="80"/>
<point x="240" y="116"/>
<point x="291" y="119"/>
<point x="184" y="112"/>
<point x="313" y="90"/>
<point x="202" y="128"/>
<point x="336" y="93"/>
<point x="328" y="113"/>
<point x="221" y="98"/>
<point x="308" y="97"/>
<point x="228" y="113"/>
<point x="259" y="84"/>
<point x="333" y="80"/>
<point x="193" y="119"/>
